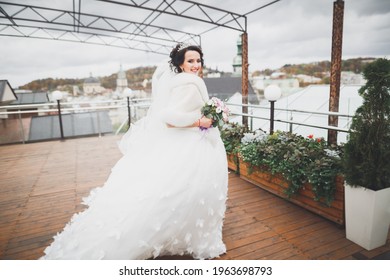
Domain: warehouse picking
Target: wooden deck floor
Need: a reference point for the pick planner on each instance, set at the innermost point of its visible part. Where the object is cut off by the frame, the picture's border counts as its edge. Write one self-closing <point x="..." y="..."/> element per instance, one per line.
<point x="42" y="184"/>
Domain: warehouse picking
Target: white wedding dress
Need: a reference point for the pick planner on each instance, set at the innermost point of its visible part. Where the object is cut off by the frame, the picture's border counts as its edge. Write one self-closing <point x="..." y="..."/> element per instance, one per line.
<point x="166" y="195"/>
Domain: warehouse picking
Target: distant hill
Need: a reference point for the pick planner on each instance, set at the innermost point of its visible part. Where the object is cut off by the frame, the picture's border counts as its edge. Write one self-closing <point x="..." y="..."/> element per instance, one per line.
<point x="134" y="76"/>
<point x="319" y="69"/>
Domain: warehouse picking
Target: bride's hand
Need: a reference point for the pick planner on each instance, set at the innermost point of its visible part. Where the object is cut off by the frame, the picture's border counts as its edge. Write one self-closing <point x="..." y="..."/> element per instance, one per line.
<point x="205" y="122"/>
<point x="202" y="122"/>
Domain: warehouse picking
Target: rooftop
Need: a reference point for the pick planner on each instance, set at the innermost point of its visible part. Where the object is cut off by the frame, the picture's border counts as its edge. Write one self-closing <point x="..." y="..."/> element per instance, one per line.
<point x="226" y="87"/>
<point x="42" y="185"/>
<point x="30" y="98"/>
<point x="7" y="94"/>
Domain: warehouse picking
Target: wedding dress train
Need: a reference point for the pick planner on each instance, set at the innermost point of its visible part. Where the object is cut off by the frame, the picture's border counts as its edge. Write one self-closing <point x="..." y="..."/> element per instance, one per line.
<point x="165" y="196"/>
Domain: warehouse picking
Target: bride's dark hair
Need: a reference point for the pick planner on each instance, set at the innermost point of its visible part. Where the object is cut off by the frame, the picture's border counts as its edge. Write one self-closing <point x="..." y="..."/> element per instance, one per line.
<point x="177" y="56"/>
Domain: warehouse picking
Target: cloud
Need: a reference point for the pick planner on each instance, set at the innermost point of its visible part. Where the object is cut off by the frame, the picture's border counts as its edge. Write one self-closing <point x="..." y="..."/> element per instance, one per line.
<point x="363" y="8"/>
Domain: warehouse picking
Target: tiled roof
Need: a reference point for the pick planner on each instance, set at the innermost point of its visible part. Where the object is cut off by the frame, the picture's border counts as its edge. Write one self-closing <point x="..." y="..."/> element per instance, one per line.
<point x="226" y="87"/>
<point x="31" y="98"/>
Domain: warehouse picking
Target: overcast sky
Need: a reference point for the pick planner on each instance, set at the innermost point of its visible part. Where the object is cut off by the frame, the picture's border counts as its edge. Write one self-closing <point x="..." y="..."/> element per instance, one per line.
<point x="287" y="32"/>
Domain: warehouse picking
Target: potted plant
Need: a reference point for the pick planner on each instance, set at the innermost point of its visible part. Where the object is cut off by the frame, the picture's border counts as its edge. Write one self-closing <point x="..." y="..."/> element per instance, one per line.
<point x="231" y="134"/>
<point x="367" y="161"/>
<point x="304" y="170"/>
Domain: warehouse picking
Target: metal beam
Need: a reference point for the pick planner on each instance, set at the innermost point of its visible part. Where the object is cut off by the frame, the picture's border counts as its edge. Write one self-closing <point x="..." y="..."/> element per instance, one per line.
<point x="7" y="16"/>
<point x="76" y="15"/>
<point x="29" y="31"/>
<point x="93" y="19"/>
<point x="262" y="7"/>
<point x="73" y="22"/>
<point x="163" y="7"/>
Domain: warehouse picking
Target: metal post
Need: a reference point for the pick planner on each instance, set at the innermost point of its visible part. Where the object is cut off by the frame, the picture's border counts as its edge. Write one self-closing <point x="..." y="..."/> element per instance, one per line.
<point x="60" y="119"/>
<point x="244" y="79"/>
<point x="251" y="127"/>
<point x="21" y="127"/>
<point x="271" y="126"/>
<point x="128" y="110"/>
<point x="135" y="109"/>
<point x="98" y="123"/>
<point x="335" y="71"/>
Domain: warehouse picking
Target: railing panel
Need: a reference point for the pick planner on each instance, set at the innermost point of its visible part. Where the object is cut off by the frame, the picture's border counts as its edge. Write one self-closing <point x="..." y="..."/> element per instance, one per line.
<point x="302" y="122"/>
<point x="37" y="122"/>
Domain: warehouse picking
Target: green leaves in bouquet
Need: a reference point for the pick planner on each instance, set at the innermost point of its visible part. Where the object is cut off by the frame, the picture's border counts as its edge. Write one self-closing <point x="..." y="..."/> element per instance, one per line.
<point x="210" y="112"/>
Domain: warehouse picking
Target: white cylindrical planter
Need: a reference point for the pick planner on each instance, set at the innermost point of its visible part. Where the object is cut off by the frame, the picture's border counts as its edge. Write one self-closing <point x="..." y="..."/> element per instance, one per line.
<point x="367" y="216"/>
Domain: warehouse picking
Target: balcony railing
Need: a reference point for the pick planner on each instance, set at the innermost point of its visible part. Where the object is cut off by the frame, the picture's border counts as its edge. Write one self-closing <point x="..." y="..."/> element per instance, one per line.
<point x="258" y="112"/>
<point x="16" y="119"/>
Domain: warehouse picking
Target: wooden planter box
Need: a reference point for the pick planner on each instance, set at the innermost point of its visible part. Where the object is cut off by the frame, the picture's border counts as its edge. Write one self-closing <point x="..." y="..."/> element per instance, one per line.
<point x="231" y="163"/>
<point x="276" y="184"/>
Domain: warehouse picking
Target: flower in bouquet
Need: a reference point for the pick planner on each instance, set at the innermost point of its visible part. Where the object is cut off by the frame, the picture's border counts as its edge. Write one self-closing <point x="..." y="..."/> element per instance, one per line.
<point x="216" y="110"/>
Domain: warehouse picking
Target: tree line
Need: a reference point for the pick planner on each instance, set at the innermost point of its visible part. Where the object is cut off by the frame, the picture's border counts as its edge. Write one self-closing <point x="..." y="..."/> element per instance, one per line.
<point x="134" y="76"/>
<point x="320" y="69"/>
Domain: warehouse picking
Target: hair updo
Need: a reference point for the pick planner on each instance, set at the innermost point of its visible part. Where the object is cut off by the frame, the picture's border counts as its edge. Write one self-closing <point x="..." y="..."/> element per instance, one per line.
<point x="177" y="56"/>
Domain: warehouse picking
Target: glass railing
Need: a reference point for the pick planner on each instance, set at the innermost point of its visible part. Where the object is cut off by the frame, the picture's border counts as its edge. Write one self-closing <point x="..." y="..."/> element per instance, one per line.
<point x="46" y="121"/>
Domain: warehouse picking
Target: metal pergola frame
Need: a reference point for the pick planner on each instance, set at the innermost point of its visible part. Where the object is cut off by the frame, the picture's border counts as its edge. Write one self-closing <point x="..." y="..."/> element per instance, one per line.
<point x="30" y="21"/>
<point x="116" y="31"/>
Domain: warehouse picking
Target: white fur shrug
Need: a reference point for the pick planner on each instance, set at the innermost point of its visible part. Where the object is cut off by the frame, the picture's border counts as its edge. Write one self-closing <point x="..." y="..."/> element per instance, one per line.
<point x="187" y="95"/>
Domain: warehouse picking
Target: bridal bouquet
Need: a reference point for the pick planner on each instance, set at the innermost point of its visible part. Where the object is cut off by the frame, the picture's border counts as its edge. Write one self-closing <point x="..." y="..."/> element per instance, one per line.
<point x="216" y="110"/>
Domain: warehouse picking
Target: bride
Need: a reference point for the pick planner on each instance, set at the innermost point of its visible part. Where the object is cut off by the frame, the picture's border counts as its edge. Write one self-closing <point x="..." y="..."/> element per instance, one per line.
<point x="167" y="194"/>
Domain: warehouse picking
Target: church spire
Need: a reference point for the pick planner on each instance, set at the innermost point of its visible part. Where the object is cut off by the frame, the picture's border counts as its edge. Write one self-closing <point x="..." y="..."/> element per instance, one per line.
<point x="237" y="61"/>
<point x="121" y="81"/>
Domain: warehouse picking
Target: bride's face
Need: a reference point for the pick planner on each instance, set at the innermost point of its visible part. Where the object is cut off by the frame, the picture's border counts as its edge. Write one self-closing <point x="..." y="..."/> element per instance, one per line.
<point x="192" y="62"/>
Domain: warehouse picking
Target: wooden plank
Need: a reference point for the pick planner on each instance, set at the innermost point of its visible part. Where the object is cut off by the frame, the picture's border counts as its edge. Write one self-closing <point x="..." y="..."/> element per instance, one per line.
<point x="274" y="252"/>
<point x="29" y="254"/>
<point x="311" y="233"/>
<point x="261" y="249"/>
<point x="286" y="224"/>
<point x="331" y="245"/>
<point x="240" y="240"/>
<point x="341" y="253"/>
